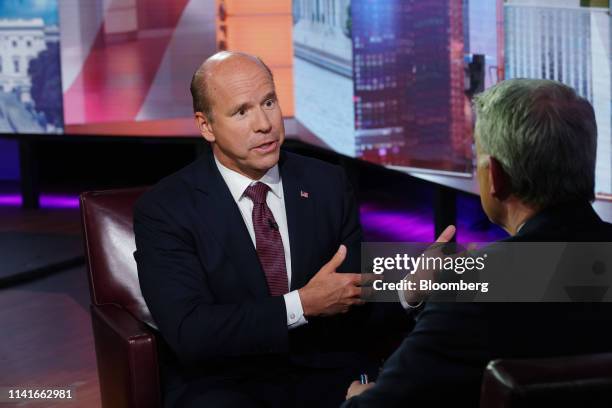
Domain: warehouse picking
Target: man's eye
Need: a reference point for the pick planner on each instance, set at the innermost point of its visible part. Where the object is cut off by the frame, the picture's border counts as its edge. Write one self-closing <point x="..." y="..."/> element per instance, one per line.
<point x="269" y="103"/>
<point x="241" y="112"/>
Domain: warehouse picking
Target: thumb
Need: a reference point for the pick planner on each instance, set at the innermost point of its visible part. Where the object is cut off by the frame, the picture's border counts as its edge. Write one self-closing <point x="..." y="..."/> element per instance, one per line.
<point x="337" y="259"/>
<point x="447" y="234"/>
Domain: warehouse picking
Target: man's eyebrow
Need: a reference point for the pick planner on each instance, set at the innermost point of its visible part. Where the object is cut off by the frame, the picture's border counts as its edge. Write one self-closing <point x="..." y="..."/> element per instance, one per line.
<point x="247" y="105"/>
<point x="269" y="95"/>
<point x="237" y="108"/>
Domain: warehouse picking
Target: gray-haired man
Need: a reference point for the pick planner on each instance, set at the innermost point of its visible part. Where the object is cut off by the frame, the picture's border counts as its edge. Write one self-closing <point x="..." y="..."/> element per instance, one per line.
<point x="536" y="142"/>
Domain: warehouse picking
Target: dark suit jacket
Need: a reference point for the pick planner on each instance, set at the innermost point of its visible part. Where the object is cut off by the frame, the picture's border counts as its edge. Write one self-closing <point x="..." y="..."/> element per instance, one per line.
<point x="205" y="287"/>
<point x="441" y="362"/>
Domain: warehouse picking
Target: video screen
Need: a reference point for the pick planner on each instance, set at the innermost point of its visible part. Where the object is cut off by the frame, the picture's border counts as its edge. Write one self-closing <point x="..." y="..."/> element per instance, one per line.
<point x="130" y="61"/>
<point x="384" y="80"/>
<point x="389" y="82"/>
<point x="123" y="67"/>
<point x="392" y="81"/>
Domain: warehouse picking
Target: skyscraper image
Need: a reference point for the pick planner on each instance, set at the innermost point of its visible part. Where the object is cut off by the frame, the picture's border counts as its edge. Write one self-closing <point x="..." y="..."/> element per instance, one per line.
<point x="409" y="84"/>
<point x="566" y="41"/>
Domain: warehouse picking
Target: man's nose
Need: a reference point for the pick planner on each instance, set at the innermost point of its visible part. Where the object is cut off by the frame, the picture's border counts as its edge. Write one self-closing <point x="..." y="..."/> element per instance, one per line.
<point x="261" y="121"/>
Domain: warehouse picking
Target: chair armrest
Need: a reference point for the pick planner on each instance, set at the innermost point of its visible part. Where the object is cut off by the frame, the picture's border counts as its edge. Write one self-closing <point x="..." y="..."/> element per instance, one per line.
<point x="126" y="353"/>
<point x="558" y="381"/>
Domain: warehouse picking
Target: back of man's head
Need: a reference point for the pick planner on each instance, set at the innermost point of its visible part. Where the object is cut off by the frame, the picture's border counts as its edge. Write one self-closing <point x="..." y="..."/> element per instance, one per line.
<point x="544" y="136"/>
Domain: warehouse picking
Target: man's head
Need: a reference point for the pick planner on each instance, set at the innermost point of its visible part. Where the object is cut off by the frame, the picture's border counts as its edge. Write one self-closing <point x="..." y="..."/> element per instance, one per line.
<point x="536" y="143"/>
<point x="237" y="111"/>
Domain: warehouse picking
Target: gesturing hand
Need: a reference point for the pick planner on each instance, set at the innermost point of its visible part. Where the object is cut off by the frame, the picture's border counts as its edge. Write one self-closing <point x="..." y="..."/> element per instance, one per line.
<point x="416" y="296"/>
<point x="330" y="292"/>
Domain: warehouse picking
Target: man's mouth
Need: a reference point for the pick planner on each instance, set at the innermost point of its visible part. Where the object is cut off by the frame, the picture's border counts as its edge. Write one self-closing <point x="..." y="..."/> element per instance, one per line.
<point x="267" y="147"/>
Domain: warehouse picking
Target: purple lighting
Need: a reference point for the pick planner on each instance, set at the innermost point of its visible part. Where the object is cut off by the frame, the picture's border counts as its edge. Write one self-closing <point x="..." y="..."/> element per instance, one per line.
<point x="10" y="200"/>
<point x="46" y="201"/>
<point x="465" y="235"/>
<point x="53" y="201"/>
<point x="395" y="226"/>
<point x="381" y="224"/>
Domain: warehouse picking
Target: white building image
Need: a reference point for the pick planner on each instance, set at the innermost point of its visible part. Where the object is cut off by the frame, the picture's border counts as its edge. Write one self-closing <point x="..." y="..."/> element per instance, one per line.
<point x="20" y="41"/>
<point x="323" y="71"/>
<point x="320" y="34"/>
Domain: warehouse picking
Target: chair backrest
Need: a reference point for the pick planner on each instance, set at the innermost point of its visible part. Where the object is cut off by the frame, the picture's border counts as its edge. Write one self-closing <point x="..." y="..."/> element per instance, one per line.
<point x="548" y="382"/>
<point x="109" y="244"/>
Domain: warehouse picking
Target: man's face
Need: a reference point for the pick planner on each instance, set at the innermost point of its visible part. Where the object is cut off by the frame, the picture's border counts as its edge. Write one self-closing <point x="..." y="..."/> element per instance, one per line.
<point x="247" y="129"/>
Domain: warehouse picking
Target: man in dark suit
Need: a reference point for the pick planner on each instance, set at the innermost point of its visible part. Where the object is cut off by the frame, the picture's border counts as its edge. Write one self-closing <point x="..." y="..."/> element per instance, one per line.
<point x="239" y="257"/>
<point x="536" y="145"/>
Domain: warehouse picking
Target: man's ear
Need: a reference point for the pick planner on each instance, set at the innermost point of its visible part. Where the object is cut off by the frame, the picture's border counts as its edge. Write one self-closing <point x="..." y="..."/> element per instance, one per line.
<point x="500" y="182"/>
<point x="204" y="126"/>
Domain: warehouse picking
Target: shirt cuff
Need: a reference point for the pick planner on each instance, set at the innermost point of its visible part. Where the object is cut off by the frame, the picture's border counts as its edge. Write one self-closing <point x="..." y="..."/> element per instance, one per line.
<point x="295" y="313"/>
<point x="407" y="306"/>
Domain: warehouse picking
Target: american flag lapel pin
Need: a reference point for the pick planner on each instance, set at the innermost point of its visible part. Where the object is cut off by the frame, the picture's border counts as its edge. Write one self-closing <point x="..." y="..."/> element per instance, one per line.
<point x="303" y="194"/>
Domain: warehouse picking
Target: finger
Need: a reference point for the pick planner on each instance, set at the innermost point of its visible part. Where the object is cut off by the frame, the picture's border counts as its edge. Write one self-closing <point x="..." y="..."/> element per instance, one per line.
<point x="337" y="259"/>
<point x="357" y="302"/>
<point x="354" y="292"/>
<point x="354" y="279"/>
<point x="447" y="234"/>
<point x="368" y="278"/>
<point x="368" y="293"/>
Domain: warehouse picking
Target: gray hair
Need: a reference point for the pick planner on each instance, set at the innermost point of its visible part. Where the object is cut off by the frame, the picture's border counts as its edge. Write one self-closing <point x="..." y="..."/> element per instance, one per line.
<point x="545" y="137"/>
<point x="199" y="86"/>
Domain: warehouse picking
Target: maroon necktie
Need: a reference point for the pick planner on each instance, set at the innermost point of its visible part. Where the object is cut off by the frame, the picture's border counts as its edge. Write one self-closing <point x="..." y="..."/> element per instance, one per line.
<point x="268" y="240"/>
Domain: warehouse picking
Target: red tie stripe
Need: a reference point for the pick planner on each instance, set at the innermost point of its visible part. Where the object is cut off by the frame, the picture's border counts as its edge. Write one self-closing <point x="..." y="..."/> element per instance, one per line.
<point x="268" y="240"/>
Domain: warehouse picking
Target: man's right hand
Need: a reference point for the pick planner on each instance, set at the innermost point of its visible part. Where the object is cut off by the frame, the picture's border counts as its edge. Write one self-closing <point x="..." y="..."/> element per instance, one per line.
<point x="329" y="292"/>
<point x="415" y="297"/>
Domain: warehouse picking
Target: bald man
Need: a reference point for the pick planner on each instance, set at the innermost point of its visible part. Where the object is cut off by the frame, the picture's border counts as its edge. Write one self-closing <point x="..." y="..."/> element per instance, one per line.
<point x="243" y="258"/>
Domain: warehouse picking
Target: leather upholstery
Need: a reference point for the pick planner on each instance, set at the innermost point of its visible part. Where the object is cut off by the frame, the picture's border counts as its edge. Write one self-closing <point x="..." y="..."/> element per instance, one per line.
<point x="578" y="381"/>
<point x="127" y="359"/>
<point x="126" y="346"/>
<point x="110" y="246"/>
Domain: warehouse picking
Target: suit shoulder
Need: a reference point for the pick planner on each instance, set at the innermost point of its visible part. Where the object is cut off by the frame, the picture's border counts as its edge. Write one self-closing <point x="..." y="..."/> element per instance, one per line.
<point x="311" y="166"/>
<point x="169" y="191"/>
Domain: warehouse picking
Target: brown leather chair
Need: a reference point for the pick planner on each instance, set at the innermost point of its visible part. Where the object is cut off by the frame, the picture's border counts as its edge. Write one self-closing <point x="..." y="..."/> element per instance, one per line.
<point x="578" y="381"/>
<point x="126" y="346"/>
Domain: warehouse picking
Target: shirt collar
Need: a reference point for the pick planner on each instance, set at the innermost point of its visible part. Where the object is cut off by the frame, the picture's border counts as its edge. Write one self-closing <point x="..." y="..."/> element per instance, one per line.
<point x="237" y="182"/>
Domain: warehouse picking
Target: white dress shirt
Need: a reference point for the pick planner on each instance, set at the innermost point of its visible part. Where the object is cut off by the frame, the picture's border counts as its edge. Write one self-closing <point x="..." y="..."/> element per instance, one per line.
<point x="237" y="184"/>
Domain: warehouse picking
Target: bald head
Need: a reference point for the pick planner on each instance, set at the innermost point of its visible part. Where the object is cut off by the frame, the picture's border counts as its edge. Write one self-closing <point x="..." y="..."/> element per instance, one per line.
<point x="223" y="60"/>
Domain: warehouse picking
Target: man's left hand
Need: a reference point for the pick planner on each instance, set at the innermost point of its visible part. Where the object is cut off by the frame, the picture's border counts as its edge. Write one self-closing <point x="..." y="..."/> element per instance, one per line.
<point x="357" y="388"/>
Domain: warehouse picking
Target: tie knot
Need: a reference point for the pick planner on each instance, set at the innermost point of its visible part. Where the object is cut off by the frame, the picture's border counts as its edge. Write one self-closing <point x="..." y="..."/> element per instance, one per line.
<point x="257" y="192"/>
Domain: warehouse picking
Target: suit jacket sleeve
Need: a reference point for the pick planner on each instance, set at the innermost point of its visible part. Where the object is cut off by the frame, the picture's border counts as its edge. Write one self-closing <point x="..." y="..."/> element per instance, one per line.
<point x="441" y="362"/>
<point x="192" y="322"/>
<point x="351" y="233"/>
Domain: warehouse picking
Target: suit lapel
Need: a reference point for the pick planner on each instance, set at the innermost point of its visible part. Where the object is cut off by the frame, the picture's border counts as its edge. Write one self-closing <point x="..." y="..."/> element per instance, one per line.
<point x="223" y="221"/>
<point x="299" y="207"/>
